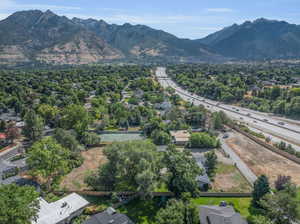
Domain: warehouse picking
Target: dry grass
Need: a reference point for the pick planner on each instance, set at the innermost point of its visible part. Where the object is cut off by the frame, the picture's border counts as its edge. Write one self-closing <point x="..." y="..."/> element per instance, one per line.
<point x="263" y="161"/>
<point x="228" y="178"/>
<point x="93" y="158"/>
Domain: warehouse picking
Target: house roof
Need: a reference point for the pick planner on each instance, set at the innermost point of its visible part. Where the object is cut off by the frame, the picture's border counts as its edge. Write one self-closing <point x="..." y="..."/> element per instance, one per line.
<point x="221" y="215"/>
<point x="3" y="136"/>
<point x="204" y="177"/>
<point x="109" y="216"/>
<point x="181" y="135"/>
<point x="52" y="213"/>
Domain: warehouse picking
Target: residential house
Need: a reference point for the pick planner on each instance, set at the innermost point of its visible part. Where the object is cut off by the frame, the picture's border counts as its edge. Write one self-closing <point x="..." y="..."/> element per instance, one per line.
<point x="61" y="211"/>
<point x="3" y="139"/>
<point x="164" y="106"/>
<point x="203" y="180"/>
<point x="220" y="215"/>
<point x="109" y="216"/>
<point x="180" y="137"/>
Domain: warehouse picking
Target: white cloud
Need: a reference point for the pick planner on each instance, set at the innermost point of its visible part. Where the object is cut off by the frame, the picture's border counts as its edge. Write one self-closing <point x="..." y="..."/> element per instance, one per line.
<point x="219" y="10"/>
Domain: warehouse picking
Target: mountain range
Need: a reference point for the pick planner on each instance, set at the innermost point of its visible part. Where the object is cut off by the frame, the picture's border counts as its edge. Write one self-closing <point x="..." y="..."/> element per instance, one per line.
<point x="44" y="37"/>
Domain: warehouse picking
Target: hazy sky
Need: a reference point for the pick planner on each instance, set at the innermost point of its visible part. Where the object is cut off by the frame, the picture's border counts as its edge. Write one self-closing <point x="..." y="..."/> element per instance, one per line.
<point x="184" y="18"/>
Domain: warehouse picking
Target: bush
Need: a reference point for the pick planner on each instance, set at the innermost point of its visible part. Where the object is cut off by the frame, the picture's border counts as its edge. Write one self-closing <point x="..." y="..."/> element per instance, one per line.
<point x="203" y="140"/>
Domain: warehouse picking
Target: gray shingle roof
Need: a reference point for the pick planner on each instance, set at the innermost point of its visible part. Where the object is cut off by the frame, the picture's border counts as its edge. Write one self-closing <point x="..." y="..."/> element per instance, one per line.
<point x="220" y="215"/>
<point x="108" y="217"/>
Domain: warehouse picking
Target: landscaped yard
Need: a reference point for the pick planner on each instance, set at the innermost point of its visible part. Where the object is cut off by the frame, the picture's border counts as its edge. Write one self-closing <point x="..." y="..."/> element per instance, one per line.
<point x="229" y="179"/>
<point x="144" y="212"/>
<point x="141" y="212"/>
<point x="240" y="204"/>
<point x="93" y="158"/>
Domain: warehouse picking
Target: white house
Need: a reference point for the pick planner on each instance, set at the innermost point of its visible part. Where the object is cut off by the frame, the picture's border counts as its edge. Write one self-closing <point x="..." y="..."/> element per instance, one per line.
<point x="61" y="211"/>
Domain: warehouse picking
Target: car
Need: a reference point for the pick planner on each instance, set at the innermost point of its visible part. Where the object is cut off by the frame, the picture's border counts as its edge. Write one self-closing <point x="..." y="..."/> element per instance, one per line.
<point x="266" y="120"/>
<point x="237" y="110"/>
<point x="249" y="115"/>
<point x="225" y="136"/>
<point x="241" y="118"/>
<point x="281" y="123"/>
<point x="254" y="121"/>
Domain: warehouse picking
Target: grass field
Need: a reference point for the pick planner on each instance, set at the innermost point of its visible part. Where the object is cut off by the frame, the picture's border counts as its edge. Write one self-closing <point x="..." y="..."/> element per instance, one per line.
<point x="240" y="204"/>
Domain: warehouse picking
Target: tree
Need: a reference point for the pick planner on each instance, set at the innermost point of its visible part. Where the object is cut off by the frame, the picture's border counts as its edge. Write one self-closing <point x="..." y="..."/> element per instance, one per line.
<point x="160" y="137"/>
<point x="49" y="113"/>
<point x="90" y="139"/>
<point x="2" y="125"/>
<point x="282" y="207"/>
<point x="34" y="126"/>
<point x="281" y="182"/>
<point x="48" y="160"/>
<point x="18" y="205"/>
<point x="183" y="171"/>
<point x="12" y="132"/>
<point x="75" y="117"/>
<point x="203" y="140"/>
<point x="67" y="139"/>
<point x="178" y="212"/>
<point x="131" y="166"/>
<point x="211" y="163"/>
<point x="260" y="189"/>
<point x="259" y="219"/>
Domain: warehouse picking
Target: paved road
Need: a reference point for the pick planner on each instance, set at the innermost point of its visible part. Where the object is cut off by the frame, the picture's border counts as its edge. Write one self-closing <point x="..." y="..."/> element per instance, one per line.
<point x="289" y="131"/>
<point x="244" y="169"/>
<point x="275" y="139"/>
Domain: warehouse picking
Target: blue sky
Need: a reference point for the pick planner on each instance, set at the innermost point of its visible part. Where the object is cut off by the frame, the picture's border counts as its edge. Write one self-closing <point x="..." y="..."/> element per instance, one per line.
<point x="188" y="19"/>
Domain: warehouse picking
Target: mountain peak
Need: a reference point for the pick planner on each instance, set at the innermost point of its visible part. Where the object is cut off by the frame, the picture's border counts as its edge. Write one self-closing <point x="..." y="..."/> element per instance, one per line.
<point x="49" y="12"/>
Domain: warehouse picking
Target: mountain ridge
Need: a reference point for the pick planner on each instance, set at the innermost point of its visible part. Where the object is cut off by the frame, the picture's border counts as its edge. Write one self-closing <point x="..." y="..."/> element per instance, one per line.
<point x="44" y="37"/>
<point x="257" y="40"/>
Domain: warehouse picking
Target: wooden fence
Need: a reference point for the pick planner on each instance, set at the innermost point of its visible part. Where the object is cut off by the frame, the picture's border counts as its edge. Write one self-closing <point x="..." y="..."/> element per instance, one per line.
<point x="161" y="194"/>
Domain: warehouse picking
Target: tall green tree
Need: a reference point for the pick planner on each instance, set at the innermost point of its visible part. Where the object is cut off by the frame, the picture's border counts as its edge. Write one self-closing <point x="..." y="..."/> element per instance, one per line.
<point x="178" y="212"/>
<point x="18" y="205"/>
<point x="183" y="170"/>
<point x="211" y="163"/>
<point x="260" y="189"/>
<point x="48" y="160"/>
<point x="75" y="117"/>
<point x="34" y="125"/>
<point x="283" y="207"/>
<point x="131" y="166"/>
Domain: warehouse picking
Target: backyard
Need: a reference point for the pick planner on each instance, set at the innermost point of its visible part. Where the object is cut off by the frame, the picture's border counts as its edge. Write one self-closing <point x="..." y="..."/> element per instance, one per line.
<point x="229" y="179"/>
<point x="74" y="181"/>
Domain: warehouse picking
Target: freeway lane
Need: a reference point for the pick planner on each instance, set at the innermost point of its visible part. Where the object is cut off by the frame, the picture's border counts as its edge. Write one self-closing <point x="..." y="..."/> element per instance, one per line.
<point x="288" y="132"/>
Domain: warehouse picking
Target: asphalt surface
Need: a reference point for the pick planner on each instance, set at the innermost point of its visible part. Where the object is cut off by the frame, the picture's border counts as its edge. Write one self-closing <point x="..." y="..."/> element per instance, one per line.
<point x="290" y="132"/>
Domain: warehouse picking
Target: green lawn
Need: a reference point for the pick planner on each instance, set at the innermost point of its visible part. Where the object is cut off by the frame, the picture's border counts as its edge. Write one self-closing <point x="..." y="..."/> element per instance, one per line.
<point x="141" y="212"/>
<point x="240" y="204"/>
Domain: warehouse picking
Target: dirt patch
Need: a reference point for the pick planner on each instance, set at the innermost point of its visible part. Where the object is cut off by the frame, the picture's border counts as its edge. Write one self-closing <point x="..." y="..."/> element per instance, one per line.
<point x="262" y="161"/>
<point x="229" y="179"/>
<point x="93" y="158"/>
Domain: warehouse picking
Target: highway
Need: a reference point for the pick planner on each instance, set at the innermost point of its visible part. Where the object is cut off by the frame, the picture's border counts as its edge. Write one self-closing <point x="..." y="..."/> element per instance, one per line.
<point x="288" y="131"/>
